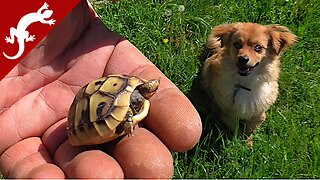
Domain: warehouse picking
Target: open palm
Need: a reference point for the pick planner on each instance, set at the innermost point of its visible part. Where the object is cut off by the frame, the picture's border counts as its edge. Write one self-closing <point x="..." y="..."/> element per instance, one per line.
<point x="37" y="93"/>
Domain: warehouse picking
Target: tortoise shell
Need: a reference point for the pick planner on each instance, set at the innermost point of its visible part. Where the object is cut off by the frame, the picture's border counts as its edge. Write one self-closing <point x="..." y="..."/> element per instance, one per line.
<point x="108" y="107"/>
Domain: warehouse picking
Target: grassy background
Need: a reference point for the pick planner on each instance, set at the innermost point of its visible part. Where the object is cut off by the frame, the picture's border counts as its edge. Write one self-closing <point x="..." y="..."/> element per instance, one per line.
<point x="288" y="144"/>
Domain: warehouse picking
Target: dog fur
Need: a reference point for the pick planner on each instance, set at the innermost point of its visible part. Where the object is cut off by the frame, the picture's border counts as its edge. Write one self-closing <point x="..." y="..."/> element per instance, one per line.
<point x="241" y="75"/>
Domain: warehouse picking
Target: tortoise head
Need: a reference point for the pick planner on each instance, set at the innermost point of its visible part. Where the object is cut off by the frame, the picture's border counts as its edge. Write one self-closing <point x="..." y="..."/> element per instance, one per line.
<point x="149" y="88"/>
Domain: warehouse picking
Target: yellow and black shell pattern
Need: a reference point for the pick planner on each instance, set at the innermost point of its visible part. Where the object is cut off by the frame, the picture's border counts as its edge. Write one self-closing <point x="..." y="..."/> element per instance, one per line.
<point x="99" y="108"/>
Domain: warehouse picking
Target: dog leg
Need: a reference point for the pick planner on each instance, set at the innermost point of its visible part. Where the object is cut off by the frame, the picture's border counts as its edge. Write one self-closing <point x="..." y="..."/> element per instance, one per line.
<point x="230" y="121"/>
<point x="253" y="123"/>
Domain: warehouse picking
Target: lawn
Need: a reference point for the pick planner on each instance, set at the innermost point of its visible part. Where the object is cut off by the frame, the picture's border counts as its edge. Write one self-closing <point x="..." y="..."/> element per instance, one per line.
<point x="172" y="35"/>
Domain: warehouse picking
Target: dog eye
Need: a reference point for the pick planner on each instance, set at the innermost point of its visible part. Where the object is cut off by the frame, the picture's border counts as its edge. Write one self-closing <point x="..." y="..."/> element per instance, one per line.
<point x="237" y="45"/>
<point x="258" y="48"/>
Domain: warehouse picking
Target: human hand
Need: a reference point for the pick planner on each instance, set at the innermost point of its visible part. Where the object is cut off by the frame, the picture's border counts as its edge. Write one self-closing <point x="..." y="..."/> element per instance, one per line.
<point x="38" y="92"/>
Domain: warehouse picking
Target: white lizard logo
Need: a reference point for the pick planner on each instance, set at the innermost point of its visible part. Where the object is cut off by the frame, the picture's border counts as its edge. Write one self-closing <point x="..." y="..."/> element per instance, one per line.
<point x="22" y="34"/>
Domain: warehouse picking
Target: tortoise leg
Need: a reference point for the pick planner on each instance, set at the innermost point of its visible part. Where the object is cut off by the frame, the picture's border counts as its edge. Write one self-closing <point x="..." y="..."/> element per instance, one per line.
<point x="133" y="109"/>
<point x="128" y="124"/>
<point x="132" y="120"/>
<point x="142" y="114"/>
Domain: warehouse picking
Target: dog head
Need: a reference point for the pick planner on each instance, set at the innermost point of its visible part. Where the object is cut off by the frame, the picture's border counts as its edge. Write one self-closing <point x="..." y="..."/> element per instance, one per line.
<point x="249" y="43"/>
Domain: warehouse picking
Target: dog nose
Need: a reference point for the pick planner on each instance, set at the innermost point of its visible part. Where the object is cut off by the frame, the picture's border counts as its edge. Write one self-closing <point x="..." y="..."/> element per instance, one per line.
<point x="243" y="60"/>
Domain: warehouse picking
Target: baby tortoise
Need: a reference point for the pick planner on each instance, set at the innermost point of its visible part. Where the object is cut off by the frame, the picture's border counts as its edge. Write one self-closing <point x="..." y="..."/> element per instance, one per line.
<point x="109" y="107"/>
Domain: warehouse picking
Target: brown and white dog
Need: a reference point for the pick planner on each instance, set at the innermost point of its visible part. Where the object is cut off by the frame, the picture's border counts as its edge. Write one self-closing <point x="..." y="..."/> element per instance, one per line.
<point x="242" y="74"/>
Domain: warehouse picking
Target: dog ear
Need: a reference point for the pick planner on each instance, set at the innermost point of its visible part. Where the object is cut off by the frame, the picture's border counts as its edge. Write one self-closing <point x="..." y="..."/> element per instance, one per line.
<point x="281" y="37"/>
<point x="220" y="35"/>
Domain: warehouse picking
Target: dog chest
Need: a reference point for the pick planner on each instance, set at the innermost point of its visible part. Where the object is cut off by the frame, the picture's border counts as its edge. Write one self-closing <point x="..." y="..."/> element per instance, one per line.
<point x="246" y="98"/>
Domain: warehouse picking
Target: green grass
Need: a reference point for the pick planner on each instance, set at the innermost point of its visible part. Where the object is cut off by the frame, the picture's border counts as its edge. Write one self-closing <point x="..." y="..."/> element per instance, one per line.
<point x="288" y="144"/>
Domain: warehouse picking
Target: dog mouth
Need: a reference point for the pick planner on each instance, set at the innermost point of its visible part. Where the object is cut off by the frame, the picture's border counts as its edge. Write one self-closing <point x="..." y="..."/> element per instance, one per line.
<point x="244" y="70"/>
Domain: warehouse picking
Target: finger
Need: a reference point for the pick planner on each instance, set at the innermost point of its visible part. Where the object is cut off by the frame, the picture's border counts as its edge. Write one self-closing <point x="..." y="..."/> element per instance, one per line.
<point x="54" y="136"/>
<point x="46" y="171"/>
<point x="34" y="113"/>
<point x="172" y="117"/>
<point x="73" y="160"/>
<point x="79" y="162"/>
<point x="144" y="156"/>
<point x="25" y="160"/>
